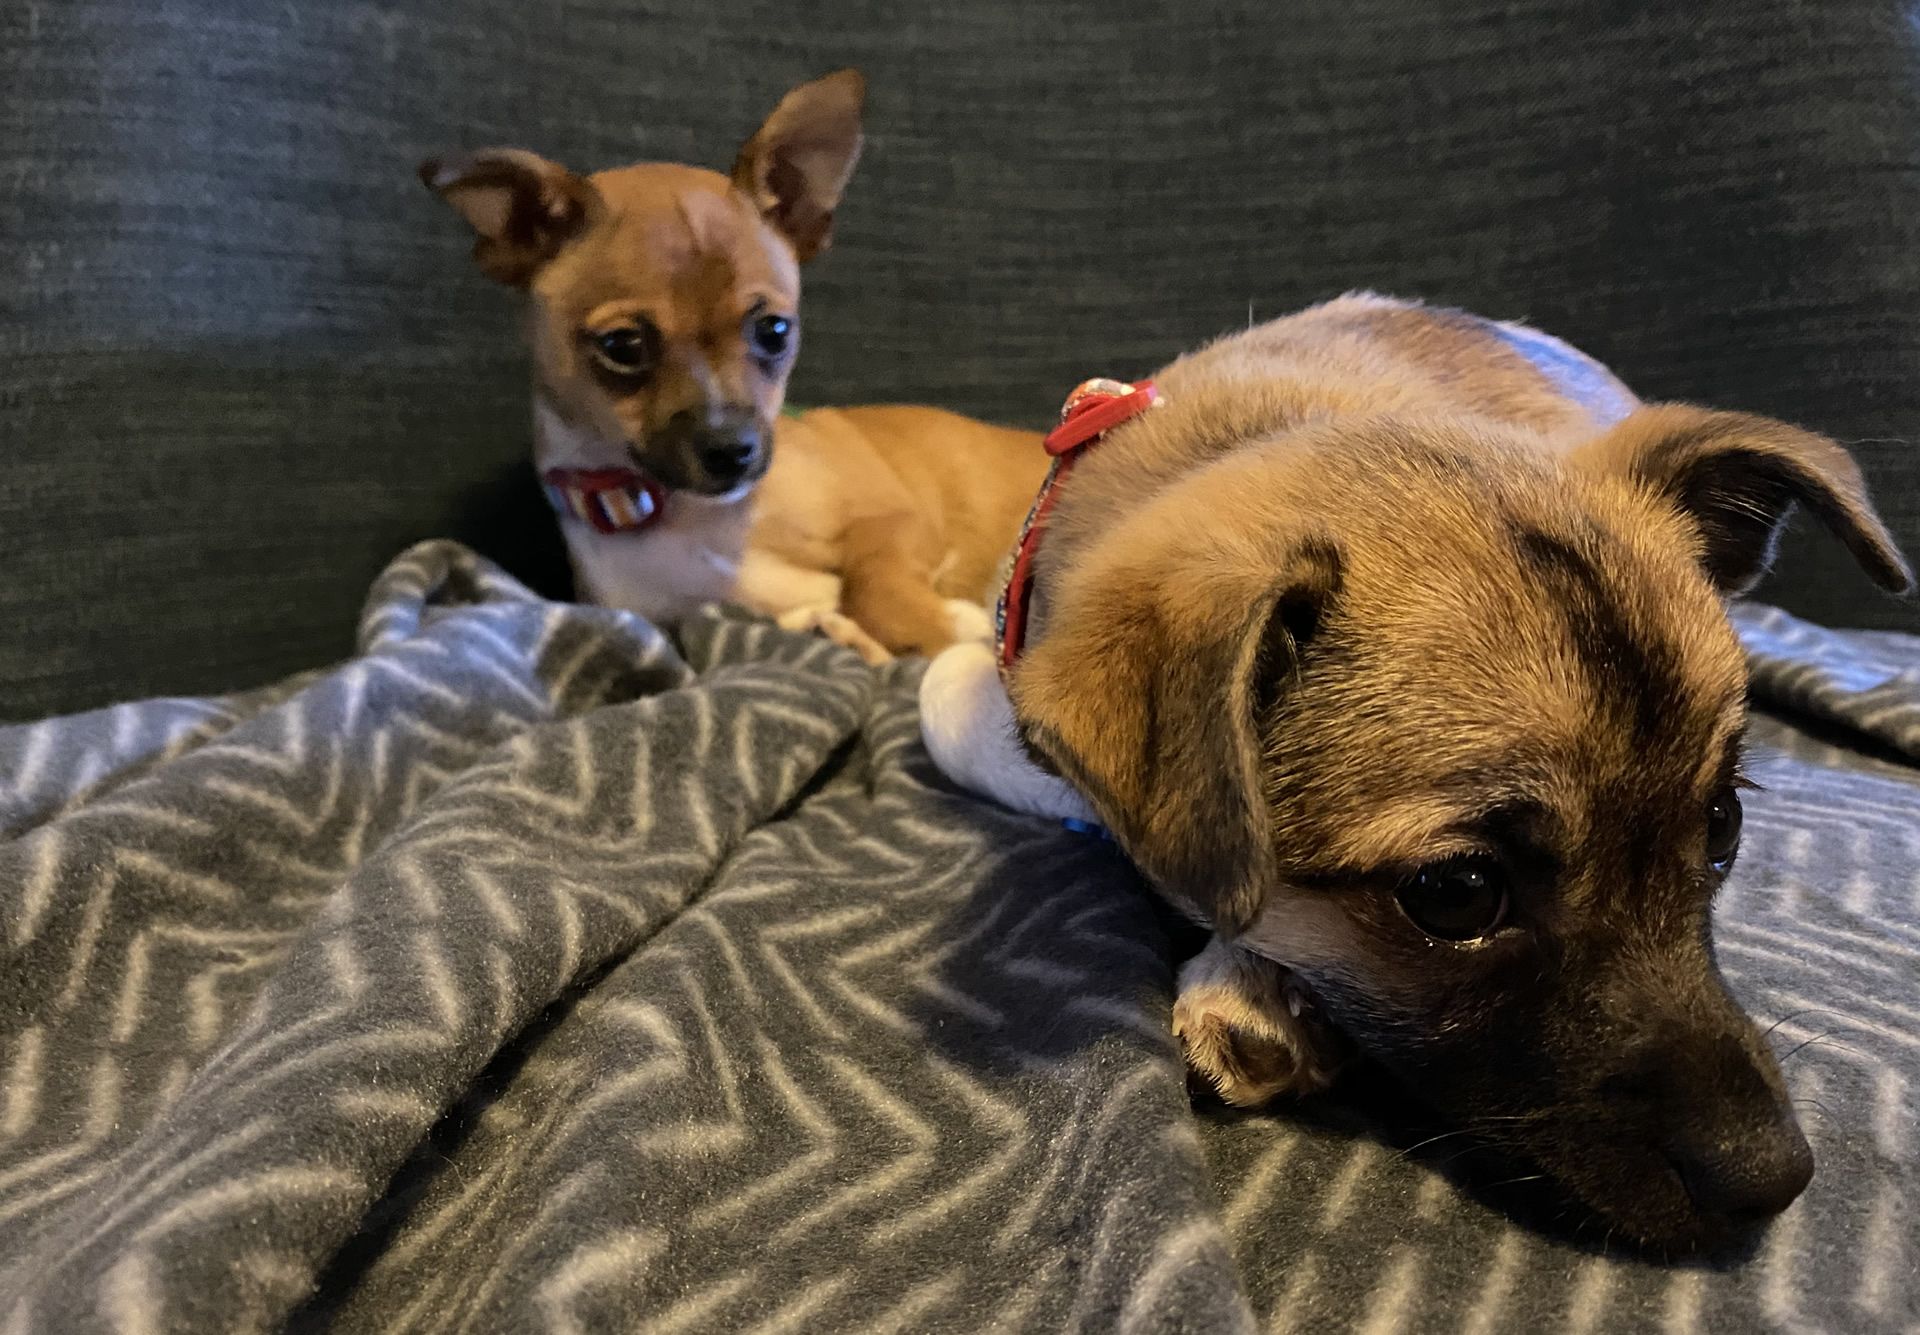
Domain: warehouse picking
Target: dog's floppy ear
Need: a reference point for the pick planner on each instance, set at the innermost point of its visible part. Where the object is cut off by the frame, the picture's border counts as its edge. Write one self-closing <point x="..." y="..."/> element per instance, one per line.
<point x="1737" y="476"/>
<point x="522" y="207"/>
<point x="796" y="166"/>
<point x="1152" y="691"/>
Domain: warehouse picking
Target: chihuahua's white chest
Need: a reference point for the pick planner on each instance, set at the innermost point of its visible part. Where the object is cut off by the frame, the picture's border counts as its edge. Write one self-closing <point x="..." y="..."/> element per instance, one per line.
<point x="697" y="553"/>
<point x="663" y="572"/>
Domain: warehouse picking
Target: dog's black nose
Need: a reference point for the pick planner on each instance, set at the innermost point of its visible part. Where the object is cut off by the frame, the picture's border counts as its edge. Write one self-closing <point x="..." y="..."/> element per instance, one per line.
<point x="706" y="452"/>
<point x="728" y="457"/>
<point x="1743" y="1179"/>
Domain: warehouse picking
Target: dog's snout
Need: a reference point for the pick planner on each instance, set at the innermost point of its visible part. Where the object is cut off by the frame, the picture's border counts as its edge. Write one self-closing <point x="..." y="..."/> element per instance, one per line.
<point x="1711" y="1104"/>
<point x="1743" y="1179"/>
<point x="709" y="452"/>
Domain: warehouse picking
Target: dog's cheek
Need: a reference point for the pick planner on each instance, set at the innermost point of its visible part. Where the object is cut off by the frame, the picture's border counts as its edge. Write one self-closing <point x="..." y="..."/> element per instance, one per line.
<point x="1371" y="951"/>
<point x="768" y="389"/>
<point x="1467" y="1030"/>
<point x="1503" y="1083"/>
<point x="1338" y="936"/>
<point x="1635" y="1196"/>
<point x="1468" y="1073"/>
<point x="1502" y="1042"/>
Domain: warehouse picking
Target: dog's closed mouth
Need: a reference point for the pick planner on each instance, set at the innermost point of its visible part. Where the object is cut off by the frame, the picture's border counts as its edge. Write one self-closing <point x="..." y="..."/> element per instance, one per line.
<point x="1663" y="1212"/>
<point x="1489" y="1161"/>
<point x="737" y="492"/>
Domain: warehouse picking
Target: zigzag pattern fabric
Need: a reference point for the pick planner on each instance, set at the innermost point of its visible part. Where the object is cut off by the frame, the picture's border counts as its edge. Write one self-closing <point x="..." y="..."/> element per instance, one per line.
<point x="531" y="971"/>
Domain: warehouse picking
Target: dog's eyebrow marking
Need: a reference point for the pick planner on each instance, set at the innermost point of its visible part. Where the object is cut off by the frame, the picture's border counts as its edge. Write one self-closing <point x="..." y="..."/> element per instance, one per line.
<point x="1646" y="684"/>
<point x="1438" y="822"/>
<point x="609" y="313"/>
<point x="1520" y="820"/>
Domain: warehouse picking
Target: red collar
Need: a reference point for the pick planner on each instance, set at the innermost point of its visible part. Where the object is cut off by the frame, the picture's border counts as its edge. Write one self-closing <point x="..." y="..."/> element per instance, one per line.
<point x="611" y="500"/>
<point x="1094" y="408"/>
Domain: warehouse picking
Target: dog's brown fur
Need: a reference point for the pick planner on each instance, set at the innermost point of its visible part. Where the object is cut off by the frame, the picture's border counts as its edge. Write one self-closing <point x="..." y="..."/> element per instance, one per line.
<point x="875" y="525"/>
<point x="1369" y="592"/>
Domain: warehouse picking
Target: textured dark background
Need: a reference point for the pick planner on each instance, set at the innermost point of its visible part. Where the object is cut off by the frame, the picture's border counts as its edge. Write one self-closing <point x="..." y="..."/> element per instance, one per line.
<point x="244" y="360"/>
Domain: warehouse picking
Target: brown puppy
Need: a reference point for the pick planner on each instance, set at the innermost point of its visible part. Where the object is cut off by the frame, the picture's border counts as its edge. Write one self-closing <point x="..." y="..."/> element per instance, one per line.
<point x="1391" y="645"/>
<point x="664" y="322"/>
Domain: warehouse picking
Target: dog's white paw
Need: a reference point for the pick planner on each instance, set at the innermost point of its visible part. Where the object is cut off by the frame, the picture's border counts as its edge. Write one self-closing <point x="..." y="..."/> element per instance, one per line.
<point x="843" y="630"/>
<point x="968" y="621"/>
<point x="1249" y="1029"/>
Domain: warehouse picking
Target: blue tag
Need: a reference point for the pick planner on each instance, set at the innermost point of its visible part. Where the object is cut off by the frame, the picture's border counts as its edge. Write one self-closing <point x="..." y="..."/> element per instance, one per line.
<point x="1086" y="827"/>
<point x="1575" y="374"/>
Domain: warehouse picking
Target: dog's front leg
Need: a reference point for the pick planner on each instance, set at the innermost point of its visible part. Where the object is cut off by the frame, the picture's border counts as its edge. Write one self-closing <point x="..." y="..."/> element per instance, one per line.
<point x="1250" y="1030"/>
<point x="887" y="588"/>
<point x="843" y="630"/>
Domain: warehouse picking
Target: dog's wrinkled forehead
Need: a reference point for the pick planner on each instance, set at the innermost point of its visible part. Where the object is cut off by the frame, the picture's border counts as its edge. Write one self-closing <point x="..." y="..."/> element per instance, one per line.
<point x="1513" y="640"/>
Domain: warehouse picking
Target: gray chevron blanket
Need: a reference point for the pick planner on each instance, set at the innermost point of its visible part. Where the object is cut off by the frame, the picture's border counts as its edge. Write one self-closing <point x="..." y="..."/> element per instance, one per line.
<point x="529" y="971"/>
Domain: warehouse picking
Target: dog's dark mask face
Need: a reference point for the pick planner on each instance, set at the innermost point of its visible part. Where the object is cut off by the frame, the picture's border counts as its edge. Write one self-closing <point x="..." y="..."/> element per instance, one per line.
<point x="1473" y="775"/>
<point x="1513" y="914"/>
<point x="1640" y="1087"/>
<point x="1585" y="1024"/>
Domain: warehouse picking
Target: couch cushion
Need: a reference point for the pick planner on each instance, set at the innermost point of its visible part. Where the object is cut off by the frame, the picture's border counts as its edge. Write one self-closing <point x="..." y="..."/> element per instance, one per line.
<point x="244" y="359"/>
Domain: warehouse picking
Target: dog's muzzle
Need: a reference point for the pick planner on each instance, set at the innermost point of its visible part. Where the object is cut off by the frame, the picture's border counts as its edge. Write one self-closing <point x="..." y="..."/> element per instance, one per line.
<point x="706" y="455"/>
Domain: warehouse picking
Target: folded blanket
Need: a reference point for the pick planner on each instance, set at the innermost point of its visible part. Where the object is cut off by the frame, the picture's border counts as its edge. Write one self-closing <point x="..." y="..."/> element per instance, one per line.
<point x="529" y="971"/>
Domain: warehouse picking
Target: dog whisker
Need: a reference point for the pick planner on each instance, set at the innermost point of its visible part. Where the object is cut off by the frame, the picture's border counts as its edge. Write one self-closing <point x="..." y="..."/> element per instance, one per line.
<point x="1827" y="1035"/>
<point x="1516" y="1181"/>
<point x="1807" y="1043"/>
<point x="1433" y="1140"/>
<point x="1794" y="1015"/>
<point x="1833" y="1118"/>
<point x="1838" y="1127"/>
<point x="1483" y="1126"/>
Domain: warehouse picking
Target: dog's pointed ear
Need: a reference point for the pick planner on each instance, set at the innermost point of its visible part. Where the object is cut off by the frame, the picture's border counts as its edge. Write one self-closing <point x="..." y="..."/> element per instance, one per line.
<point x="522" y="207"/>
<point x="796" y="166"/>
<point x="1737" y="476"/>
<point x="1158" y="708"/>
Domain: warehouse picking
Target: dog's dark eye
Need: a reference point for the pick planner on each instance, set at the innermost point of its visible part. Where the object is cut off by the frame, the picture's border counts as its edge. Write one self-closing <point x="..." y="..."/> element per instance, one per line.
<point x="772" y="334"/>
<point x="629" y="349"/>
<point x="1723" y="829"/>
<point x="1461" y="899"/>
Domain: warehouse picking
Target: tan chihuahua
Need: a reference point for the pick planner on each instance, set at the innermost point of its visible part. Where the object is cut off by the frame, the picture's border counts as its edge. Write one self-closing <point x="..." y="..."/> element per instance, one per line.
<point x="1390" y="645"/>
<point x="664" y="318"/>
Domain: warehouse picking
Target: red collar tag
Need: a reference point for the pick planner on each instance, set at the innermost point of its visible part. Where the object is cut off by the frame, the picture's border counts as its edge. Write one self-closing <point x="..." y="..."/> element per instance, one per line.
<point x="1094" y="408"/>
<point x="609" y="500"/>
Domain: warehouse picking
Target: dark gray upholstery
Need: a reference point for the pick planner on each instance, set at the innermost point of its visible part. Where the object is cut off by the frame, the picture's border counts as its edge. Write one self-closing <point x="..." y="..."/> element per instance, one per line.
<point x="243" y="359"/>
